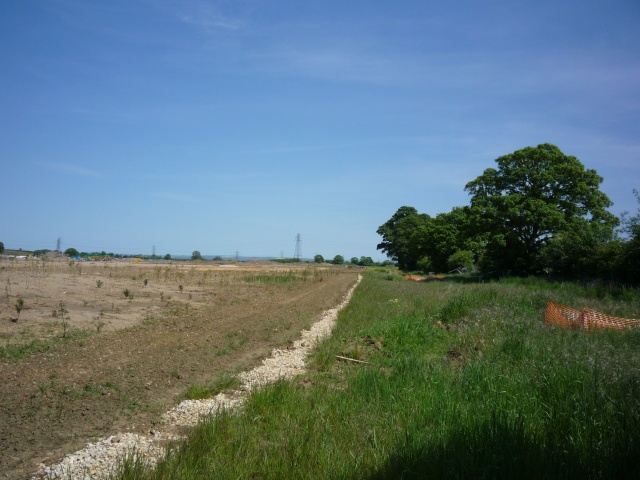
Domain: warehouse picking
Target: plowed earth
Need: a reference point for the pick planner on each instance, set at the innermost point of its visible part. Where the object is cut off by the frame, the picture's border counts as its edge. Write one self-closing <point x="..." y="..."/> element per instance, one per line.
<point x="125" y="361"/>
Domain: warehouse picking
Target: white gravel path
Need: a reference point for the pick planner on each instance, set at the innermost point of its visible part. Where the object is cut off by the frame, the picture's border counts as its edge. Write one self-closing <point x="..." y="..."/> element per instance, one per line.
<point x="98" y="459"/>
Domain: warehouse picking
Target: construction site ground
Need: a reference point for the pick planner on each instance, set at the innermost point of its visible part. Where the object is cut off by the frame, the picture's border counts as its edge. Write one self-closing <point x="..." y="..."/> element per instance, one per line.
<point x="118" y="343"/>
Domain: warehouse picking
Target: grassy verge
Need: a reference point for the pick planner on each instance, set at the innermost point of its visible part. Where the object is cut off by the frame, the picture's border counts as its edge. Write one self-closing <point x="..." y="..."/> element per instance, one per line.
<point x="462" y="380"/>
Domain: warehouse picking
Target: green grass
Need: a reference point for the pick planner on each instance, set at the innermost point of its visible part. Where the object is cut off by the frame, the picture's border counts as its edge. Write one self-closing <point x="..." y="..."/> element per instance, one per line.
<point x="18" y="352"/>
<point x="463" y="380"/>
<point x="199" y="391"/>
<point x="15" y="352"/>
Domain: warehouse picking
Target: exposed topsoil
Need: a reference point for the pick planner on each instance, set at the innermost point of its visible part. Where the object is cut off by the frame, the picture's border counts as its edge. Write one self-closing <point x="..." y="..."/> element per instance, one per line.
<point x="126" y="359"/>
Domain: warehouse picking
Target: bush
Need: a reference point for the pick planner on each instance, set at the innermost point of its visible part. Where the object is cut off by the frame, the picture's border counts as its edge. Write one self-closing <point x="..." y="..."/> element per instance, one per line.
<point x="424" y="264"/>
<point x="462" y="258"/>
<point x="72" y="252"/>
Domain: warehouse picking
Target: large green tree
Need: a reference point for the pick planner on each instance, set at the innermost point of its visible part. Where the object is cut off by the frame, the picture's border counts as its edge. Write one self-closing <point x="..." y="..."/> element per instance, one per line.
<point x="442" y="236"/>
<point x="398" y="240"/>
<point x="534" y="195"/>
<point x="628" y="267"/>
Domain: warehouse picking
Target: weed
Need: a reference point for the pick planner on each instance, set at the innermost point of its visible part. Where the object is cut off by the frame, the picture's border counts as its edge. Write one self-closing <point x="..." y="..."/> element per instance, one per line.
<point x="99" y="283"/>
<point x="62" y="313"/>
<point x="127" y="294"/>
<point x="19" y="352"/>
<point x="207" y="390"/>
<point x="19" y="306"/>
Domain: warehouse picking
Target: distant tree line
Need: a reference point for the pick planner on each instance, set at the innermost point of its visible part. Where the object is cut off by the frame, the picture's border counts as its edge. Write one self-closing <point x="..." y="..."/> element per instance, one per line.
<point x="538" y="212"/>
<point x="362" y="261"/>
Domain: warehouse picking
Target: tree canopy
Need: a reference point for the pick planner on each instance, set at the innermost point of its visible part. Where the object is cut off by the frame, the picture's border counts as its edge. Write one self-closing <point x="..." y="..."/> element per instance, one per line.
<point x="532" y="196"/>
<point x="398" y="240"/>
<point x="537" y="211"/>
<point x="196" y="255"/>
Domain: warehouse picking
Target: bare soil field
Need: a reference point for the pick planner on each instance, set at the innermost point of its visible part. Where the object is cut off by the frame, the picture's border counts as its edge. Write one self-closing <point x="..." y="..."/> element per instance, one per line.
<point x="118" y="343"/>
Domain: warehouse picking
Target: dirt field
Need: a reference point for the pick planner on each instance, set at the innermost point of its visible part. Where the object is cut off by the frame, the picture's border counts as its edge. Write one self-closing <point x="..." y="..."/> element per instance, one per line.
<point x="123" y="341"/>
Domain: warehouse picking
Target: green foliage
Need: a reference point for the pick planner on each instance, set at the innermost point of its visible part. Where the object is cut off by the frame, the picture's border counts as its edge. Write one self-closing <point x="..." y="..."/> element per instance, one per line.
<point x="338" y="260"/>
<point x="627" y="268"/>
<point x="424" y="264"/>
<point x="22" y="351"/>
<point x="167" y="256"/>
<point x="72" y="252"/>
<point x="366" y="261"/>
<point x="19" y="305"/>
<point x="196" y="255"/>
<point x="318" y="259"/>
<point x="398" y="237"/>
<point x="1" y="247"/>
<point x="533" y="196"/>
<point x="631" y="225"/>
<point x="408" y="237"/>
<point x="462" y="258"/>
<point x="62" y="313"/>
<point x="354" y="260"/>
<point x="286" y="260"/>
<point x="538" y="211"/>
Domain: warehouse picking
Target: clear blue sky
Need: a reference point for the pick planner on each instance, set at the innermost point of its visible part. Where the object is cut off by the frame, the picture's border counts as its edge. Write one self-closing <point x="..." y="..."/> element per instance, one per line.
<point x="233" y="125"/>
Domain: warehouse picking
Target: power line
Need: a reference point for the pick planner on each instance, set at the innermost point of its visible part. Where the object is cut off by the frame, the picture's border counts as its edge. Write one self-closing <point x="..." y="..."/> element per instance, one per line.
<point x="298" y="253"/>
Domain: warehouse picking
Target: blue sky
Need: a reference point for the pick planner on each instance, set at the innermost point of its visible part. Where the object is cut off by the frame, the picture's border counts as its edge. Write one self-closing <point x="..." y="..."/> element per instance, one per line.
<point x="232" y="126"/>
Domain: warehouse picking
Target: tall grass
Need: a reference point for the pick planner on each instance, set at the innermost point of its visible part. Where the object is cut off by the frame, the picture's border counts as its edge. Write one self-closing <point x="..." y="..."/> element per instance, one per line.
<point x="462" y="381"/>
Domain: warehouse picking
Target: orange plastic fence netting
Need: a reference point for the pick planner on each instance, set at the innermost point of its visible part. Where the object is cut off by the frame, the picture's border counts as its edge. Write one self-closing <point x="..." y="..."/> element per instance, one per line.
<point x="567" y="317"/>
